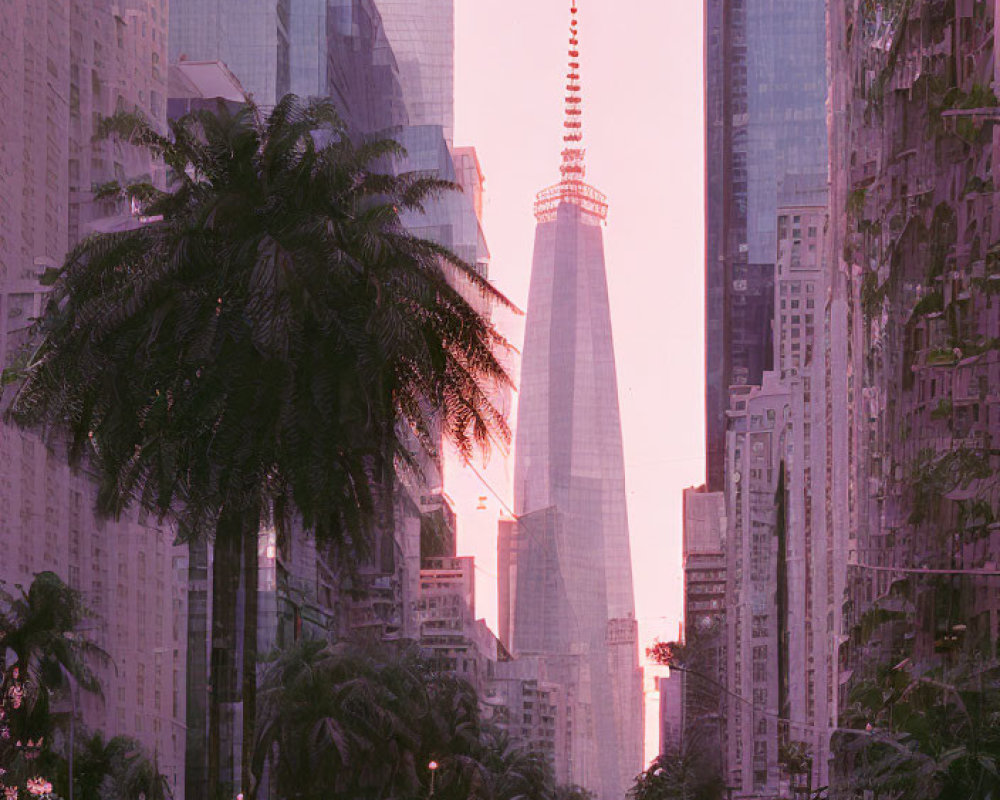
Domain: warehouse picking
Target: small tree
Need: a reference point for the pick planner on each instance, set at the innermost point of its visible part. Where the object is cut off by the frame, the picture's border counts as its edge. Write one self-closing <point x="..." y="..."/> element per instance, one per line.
<point x="682" y="776"/>
<point x="41" y="651"/>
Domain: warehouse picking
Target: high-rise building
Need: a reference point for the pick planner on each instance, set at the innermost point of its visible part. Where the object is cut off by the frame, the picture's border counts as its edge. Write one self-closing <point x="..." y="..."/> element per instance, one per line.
<point x="672" y="716"/>
<point x="765" y="92"/>
<point x="915" y="214"/>
<point x="775" y="360"/>
<point x="251" y="37"/>
<point x="314" y="48"/>
<point x="422" y="35"/>
<point x="704" y="553"/>
<point x="521" y="701"/>
<point x="339" y="49"/>
<point x="571" y="593"/>
<point x="706" y="572"/>
<point x="62" y="67"/>
<point x="757" y="449"/>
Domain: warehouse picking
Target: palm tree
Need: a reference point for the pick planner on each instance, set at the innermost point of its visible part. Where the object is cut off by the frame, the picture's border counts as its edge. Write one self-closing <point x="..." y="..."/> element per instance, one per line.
<point x="451" y="736"/>
<point x="516" y="772"/>
<point x="117" y="769"/>
<point x="41" y="651"/>
<point x="272" y="341"/>
<point x="354" y="722"/>
<point x="342" y="721"/>
<point x="679" y="776"/>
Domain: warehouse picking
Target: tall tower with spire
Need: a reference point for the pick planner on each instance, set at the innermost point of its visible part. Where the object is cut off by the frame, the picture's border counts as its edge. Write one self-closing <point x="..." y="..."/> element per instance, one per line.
<point x="566" y="575"/>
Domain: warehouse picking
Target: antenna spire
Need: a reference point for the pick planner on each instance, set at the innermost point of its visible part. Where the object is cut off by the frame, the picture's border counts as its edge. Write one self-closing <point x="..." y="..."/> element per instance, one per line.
<point x="573" y="152"/>
<point x="572" y="189"/>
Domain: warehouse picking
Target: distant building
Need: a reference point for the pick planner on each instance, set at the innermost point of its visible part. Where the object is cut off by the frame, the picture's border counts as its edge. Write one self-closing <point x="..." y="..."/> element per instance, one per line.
<point x="765" y="119"/>
<point x="530" y="708"/>
<point x="335" y="49"/>
<point x="704" y="553"/>
<point x="340" y="51"/>
<point x="469" y="175"/>
<point x="810" y="356"/>
<point x="757" y="625"/>
<point x="706" y="572"/>
<point x="672" y="716"/>
<point x="568" y="564"/>
<point x="201" y="86"/>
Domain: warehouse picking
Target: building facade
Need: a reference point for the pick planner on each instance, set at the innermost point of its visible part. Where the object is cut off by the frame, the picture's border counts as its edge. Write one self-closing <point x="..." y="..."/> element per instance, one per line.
<point x="672" y="717"/>
<point x="62" y="67"/>
<point x="706" y="566"/>
<point x="915" y="220"/>
<point x="765" y="94"/>
<point x="757" y="449"/>
<point x="422" y="35"/>
<point x="251" y="37"/>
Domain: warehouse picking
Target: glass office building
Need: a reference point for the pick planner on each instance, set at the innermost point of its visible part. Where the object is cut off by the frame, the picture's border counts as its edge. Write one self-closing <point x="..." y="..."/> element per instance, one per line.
<point x="570" y="586"/>
<point x="566" y="571"/>
<point x="422" y="35"/>
<point x="765" y="121"/>
<point x="251" y="37"/>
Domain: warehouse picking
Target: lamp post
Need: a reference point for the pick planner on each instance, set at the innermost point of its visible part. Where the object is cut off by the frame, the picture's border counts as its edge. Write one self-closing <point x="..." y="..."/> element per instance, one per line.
<point x="433" y="768"/>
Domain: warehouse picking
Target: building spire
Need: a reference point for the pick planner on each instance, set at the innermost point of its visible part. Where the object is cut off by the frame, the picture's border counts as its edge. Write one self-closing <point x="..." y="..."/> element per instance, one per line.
<point x="572" y="189"/>
<point x="573" y="152"/>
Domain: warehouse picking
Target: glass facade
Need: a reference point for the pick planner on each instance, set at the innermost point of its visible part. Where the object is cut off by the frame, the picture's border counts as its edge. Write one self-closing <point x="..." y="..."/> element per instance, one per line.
<point x="571" y="591"/>
<point x="422" y="35"/>
<point x="313" y="48"/>
<point x="340" y="50"/>
<point x="765" y="75"/>
<point x="250" y="36"/>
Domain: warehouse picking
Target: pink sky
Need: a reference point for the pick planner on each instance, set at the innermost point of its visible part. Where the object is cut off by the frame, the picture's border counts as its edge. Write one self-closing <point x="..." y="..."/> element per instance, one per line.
<point x="643" y="129"/>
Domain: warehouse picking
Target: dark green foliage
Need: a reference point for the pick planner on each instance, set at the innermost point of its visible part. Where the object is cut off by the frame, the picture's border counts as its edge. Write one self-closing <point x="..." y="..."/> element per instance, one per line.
<point x="343" y="721"/>
<point x="278" y="337"/>
<point x="111" y="770"/>
<point x="943" y="410"/>
<point x="687" y="776"/>
<point x="856" y="202"/>
<point x="928" y="304"/>
<point x="872" y="295"/>
<point x="931" y="736"/>
<point x="41" y="654"/>
<point x="934" y="475"/>
<point x="872" y="620"/>
<point x="942" y="236"/>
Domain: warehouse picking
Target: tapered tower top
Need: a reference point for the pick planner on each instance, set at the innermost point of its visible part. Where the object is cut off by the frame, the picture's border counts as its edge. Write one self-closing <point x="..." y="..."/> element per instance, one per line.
<point x="572" y="188"/>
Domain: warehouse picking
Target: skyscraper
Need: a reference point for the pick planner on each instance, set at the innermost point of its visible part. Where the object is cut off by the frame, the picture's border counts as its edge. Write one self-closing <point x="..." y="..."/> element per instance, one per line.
<point x="765" y="119"/>
<point x="250" y="36"/>
<point x="62" y="67"/>
<point x="568" y="569"/>
<point x="422" y="35"/>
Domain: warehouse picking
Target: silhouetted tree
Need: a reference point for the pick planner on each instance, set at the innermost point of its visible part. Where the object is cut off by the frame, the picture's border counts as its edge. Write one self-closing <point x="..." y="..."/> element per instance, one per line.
<point x="272" y="341"/>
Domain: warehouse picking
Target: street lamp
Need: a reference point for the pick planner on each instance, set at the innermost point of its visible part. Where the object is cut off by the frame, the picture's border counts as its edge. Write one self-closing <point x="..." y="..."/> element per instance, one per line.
<point x="433" y="768"/>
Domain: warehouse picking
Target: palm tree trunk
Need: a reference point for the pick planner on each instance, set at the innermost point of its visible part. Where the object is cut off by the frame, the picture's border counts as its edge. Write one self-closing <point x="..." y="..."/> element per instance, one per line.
<point x="224" y="691"/>
<point x="251" y="537"/>
<point x="195" y="756"/>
